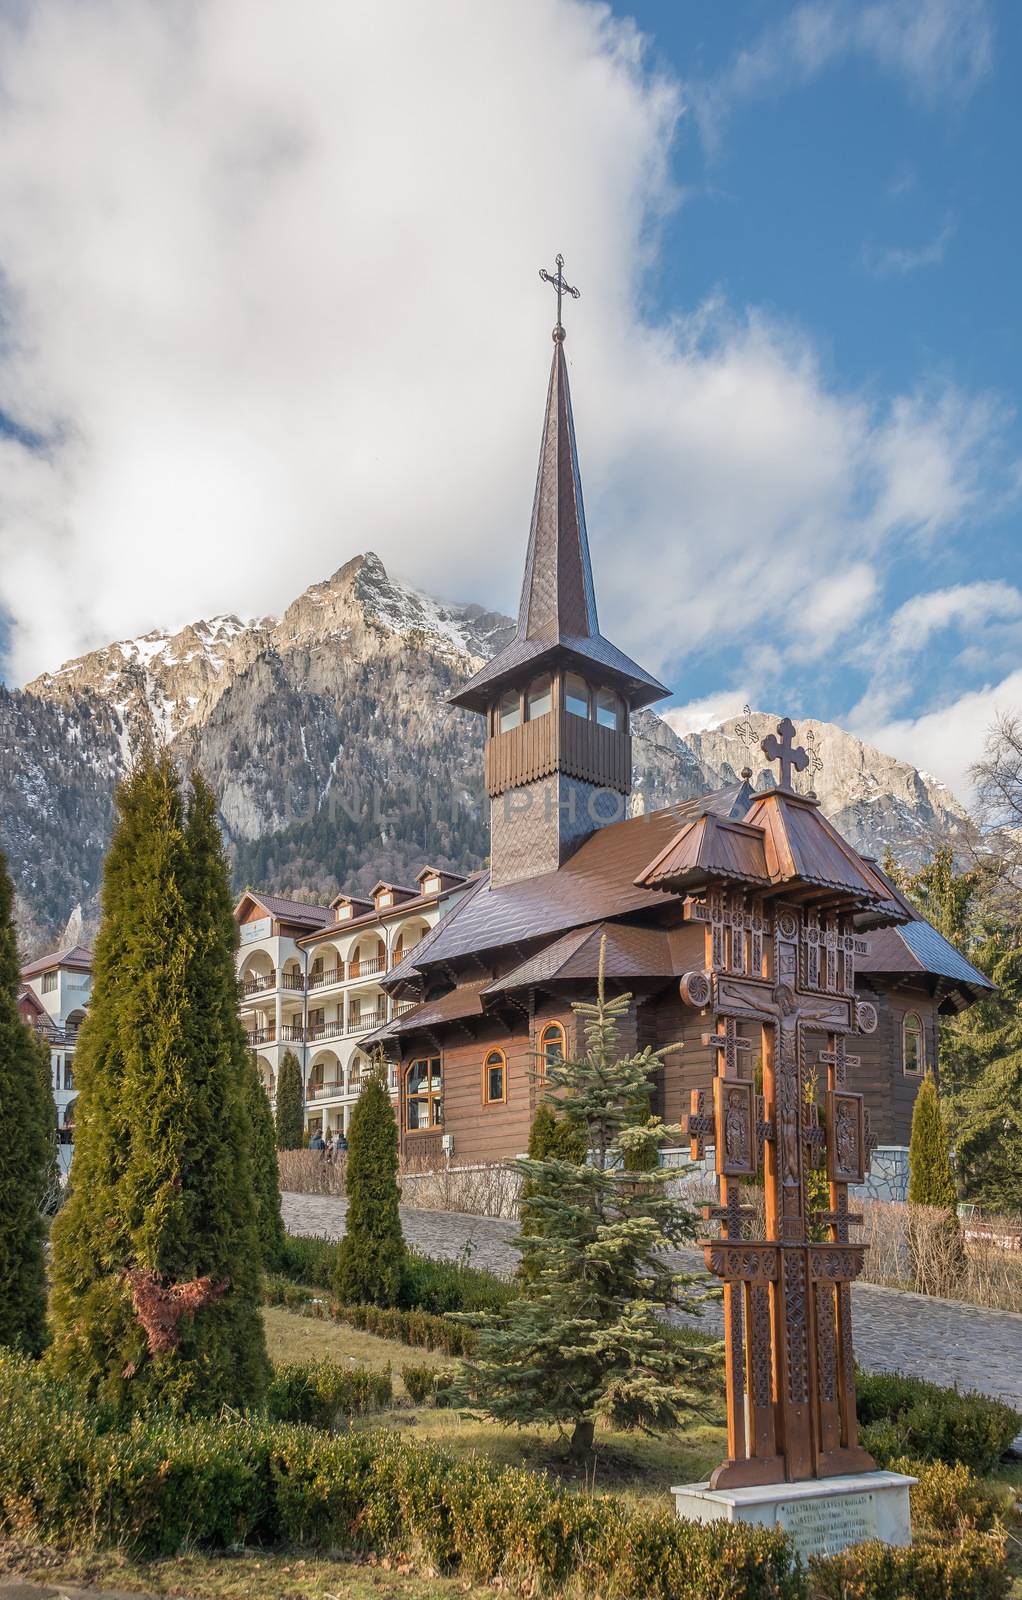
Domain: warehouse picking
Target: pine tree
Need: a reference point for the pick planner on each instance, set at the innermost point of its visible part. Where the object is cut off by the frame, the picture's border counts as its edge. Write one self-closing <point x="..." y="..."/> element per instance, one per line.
<point x="27" y="1123"/>
<point x="550" y="1136"/>
<point x="265" y="1174"/>
<point x="931" y="1181"/>
<point x="156" y="1254"/>
<point x="583" y="1341"/>
<point x="370" y="1256"/>
<point x="290" y="1105"/>
<point x="987" y="1112"/>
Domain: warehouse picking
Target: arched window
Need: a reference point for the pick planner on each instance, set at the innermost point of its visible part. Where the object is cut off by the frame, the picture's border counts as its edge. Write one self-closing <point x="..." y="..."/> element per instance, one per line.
<point x="551" y="1047"/>
<point x="509" y="710"/>
<point x="913" y="1043"/>
<point x="424" y="1095"/>
<point x="576" y="695"/>
<point x="539" y="699"/>
<point x="494" y="1078"/>
<point x="608" y="709"/>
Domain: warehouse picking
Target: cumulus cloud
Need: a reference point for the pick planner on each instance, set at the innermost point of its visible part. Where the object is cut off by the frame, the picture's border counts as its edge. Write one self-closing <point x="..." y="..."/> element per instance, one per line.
<point x="270" y="297"/>
<point x="947" y="741"/>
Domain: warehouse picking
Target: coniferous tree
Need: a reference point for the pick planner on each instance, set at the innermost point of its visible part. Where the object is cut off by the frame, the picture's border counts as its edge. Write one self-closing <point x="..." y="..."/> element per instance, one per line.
<point x="265" y="1173"/>
<point x="987" y="1113"/>
<point x="27" y="1123"/>
<point x="156" y="1254"/>
<point x="370" y="1256"/>
<point x="583" y="1341"/>
<point x="290" y="1105"/>
<point x="931" y="1181"/>
<point x="550" y="1136"/>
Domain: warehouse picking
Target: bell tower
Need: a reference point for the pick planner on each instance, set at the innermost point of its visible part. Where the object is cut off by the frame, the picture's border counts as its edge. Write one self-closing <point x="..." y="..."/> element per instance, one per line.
<point x="557" y="699"/>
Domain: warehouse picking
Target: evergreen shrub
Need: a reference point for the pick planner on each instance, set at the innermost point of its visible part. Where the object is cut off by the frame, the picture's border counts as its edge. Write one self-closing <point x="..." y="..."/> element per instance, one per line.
<point x="290" y="1102"/>
<point x="428" y="1385"/>
<point x="370" y="1256"/>
<point x="903" y="1416"/>
<point x="425" y="1284"/>
<point x="949" y="1501"/>
<point x="410" y="1327"/>
<point x="972" y="1569"/>
<point x="323" y="1394"/>
<point x="265" y="1183"/>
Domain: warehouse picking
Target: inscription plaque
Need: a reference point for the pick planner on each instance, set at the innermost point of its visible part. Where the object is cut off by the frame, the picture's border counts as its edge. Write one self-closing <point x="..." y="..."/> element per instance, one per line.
<point x="823" y="1526"/>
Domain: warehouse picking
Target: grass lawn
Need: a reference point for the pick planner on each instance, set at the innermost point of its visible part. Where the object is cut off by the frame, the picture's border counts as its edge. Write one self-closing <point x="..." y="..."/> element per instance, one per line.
<point x="626" y="1463"/>
<point x="247" y="1576"/>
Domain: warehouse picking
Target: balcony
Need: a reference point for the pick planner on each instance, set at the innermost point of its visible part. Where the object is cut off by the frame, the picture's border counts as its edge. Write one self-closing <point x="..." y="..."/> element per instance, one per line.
<point x="367" y="969"/>
<point x="254" y="1037"/>
<point x="261" y="985"/>
<point x="287" y="1033"/>
<point x="342" y="972"/>
<point x="324" y="1091"/>
<point x="319" y="980"/>
<point x="366" y="1020"/>
<point x="318" y="1031"/>
<point x="292" y="980"/>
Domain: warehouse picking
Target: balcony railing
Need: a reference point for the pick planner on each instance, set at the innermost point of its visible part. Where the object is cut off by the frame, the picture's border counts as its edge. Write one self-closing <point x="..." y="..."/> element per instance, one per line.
<point x="321" y="1091"/>
<point x="318" y="980"/>
<point x="257" y="1036"/>
<point x="366" y="969"/>
<point x="261" y="984"/>
<point x="292" y="1033"/>
<point x="358" y="968"/>
<point x="366" y="1020"/>
<point x="292" y="980"/>
<point x="325" y="1030"/>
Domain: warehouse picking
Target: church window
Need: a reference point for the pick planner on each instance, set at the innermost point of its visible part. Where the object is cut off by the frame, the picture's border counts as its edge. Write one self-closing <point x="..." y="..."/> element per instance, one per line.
<point x="913" y="1048"/>
<point x="608" y="709"/>
<point x="495" y="1078"/>
<point x="424" y="1095"/>
<point x="509" y="710"/>
<point x="576" y="695"/>
<point x="539" y="697"/>
<point x="551" y="1047"/>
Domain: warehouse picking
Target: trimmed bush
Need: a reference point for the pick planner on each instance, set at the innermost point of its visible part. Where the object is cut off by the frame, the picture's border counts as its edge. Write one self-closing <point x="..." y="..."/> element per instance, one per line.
<point x="410" y="1327"/>
<point x="323" y="1394"/>
<point x="972" y="1569"/>
<point x="161" y="1486"/>
<point x="904" y="1416"/>
<point x="425" y="1284"/>
<point x="428" y="1385"/>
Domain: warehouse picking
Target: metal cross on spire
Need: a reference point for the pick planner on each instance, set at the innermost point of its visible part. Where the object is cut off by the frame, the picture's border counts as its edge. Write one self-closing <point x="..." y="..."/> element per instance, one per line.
<point x="784" y="750"/>
<point x="562" y="286"/>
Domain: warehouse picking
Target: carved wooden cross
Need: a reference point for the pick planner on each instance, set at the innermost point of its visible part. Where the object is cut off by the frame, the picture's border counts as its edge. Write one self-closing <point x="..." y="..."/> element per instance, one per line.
<point x="561" y="284"/>
<point x="840" y="1060"/>
<point x="840" y="1218"/>
<point x="726" y="1040"/>
<point x="700" y="1124"/>
<point x="783" y="750"/>
<point x="731" y="1214"/>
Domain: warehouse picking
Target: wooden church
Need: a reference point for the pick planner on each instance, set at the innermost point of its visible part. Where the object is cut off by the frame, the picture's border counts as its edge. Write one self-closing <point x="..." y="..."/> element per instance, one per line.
<point x="697" y="902"/>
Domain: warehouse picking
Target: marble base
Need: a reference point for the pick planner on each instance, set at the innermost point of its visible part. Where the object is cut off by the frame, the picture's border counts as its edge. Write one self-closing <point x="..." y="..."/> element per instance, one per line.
<point x="821" y="1516"/>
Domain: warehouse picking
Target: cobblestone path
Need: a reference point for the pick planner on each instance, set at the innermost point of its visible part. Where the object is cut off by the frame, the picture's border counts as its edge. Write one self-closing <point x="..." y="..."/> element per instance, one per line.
<point x="942" y="1340"/>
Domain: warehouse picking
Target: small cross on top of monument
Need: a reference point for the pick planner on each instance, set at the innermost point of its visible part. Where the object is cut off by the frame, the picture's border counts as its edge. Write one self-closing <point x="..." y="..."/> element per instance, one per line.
<point x="781" y="747"/>
<point x="562" y="286"/>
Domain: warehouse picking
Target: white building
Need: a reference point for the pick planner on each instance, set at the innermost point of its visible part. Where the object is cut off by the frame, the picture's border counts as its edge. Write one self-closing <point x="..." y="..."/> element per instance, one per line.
<point x="310" y="982"/>
<point x="54" y="995"/>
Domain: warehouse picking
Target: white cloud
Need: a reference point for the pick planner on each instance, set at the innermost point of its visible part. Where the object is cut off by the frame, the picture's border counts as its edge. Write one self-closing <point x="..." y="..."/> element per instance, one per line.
<point x="938" y="49"/>
<point x="706" y="712"/>
<point x="270" y="295"/>
<point x="897" y="261"/>
<point x="946" y="742"/>
<point x="964" y="605"/>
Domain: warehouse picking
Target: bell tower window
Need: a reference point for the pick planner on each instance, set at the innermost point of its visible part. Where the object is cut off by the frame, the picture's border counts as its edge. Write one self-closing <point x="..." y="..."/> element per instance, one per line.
<point x="608" y="709"/>
<point x="576" y="695"/>
<point x="540" y="697"/>
<point x="509" y="710"/>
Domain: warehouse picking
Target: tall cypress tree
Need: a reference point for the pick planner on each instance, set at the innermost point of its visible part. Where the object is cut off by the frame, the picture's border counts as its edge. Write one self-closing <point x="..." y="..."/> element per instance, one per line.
<point x="371" y="1254"/>
<point x="27" y="1120"/>
<point x="156" y="1254"/>
<point x="265" y="1174"/>
<point x="931" y="1181"/>
<point x="290" y="1105"/>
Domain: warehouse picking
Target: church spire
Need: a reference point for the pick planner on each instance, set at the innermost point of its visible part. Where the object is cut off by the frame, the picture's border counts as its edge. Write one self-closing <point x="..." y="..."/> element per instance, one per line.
<point x="557" y="619"/>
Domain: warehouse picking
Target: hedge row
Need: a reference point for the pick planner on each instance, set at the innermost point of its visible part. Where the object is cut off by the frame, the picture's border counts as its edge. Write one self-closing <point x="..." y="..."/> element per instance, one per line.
<point x="323" y="1394"/>
<point x="166" y="1485"/>
<point x="69" y="1478"/>
<point x="418" y="1328"/>
<point x="426" y="1285"/>
<point x="903" y="1416"/>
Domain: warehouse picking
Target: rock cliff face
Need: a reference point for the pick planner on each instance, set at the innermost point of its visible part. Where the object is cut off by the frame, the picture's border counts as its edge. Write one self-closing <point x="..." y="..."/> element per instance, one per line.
<point x="333" y="752"/>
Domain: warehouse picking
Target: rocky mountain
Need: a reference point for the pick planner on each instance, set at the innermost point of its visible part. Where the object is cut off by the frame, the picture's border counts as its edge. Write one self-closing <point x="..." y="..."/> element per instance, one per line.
<point x="334" y="754"/>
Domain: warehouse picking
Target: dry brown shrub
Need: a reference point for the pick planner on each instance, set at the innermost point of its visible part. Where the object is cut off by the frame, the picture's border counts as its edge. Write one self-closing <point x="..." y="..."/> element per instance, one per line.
<point x="912" y="1247"/>
<point x="486" y="1190"/>
<point x="311" y="1172"/>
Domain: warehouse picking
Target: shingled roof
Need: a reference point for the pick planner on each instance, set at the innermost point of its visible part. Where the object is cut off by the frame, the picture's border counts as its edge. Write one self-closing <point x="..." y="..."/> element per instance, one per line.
<point x="557" y="620"/>
<point x="76" y="955"/>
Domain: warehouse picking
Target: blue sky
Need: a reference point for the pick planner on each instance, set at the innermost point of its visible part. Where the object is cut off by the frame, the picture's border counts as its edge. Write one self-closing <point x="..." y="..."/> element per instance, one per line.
<point x="269" y="298"/>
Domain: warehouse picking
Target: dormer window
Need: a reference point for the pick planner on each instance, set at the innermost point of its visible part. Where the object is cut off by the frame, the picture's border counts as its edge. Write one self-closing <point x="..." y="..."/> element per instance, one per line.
<point x="540" y="697"/>
<point x="384" y="898"/>
<point x="431" y="885"/>
<point x="509" y="710"/>
<point x="576" y="695"/>
<point x="344" y="912"/>
<point x="608" y="709"/>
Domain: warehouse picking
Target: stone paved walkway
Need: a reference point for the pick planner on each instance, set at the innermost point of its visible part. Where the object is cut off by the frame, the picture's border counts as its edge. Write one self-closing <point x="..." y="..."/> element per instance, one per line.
<point x="943" y="1340"/>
